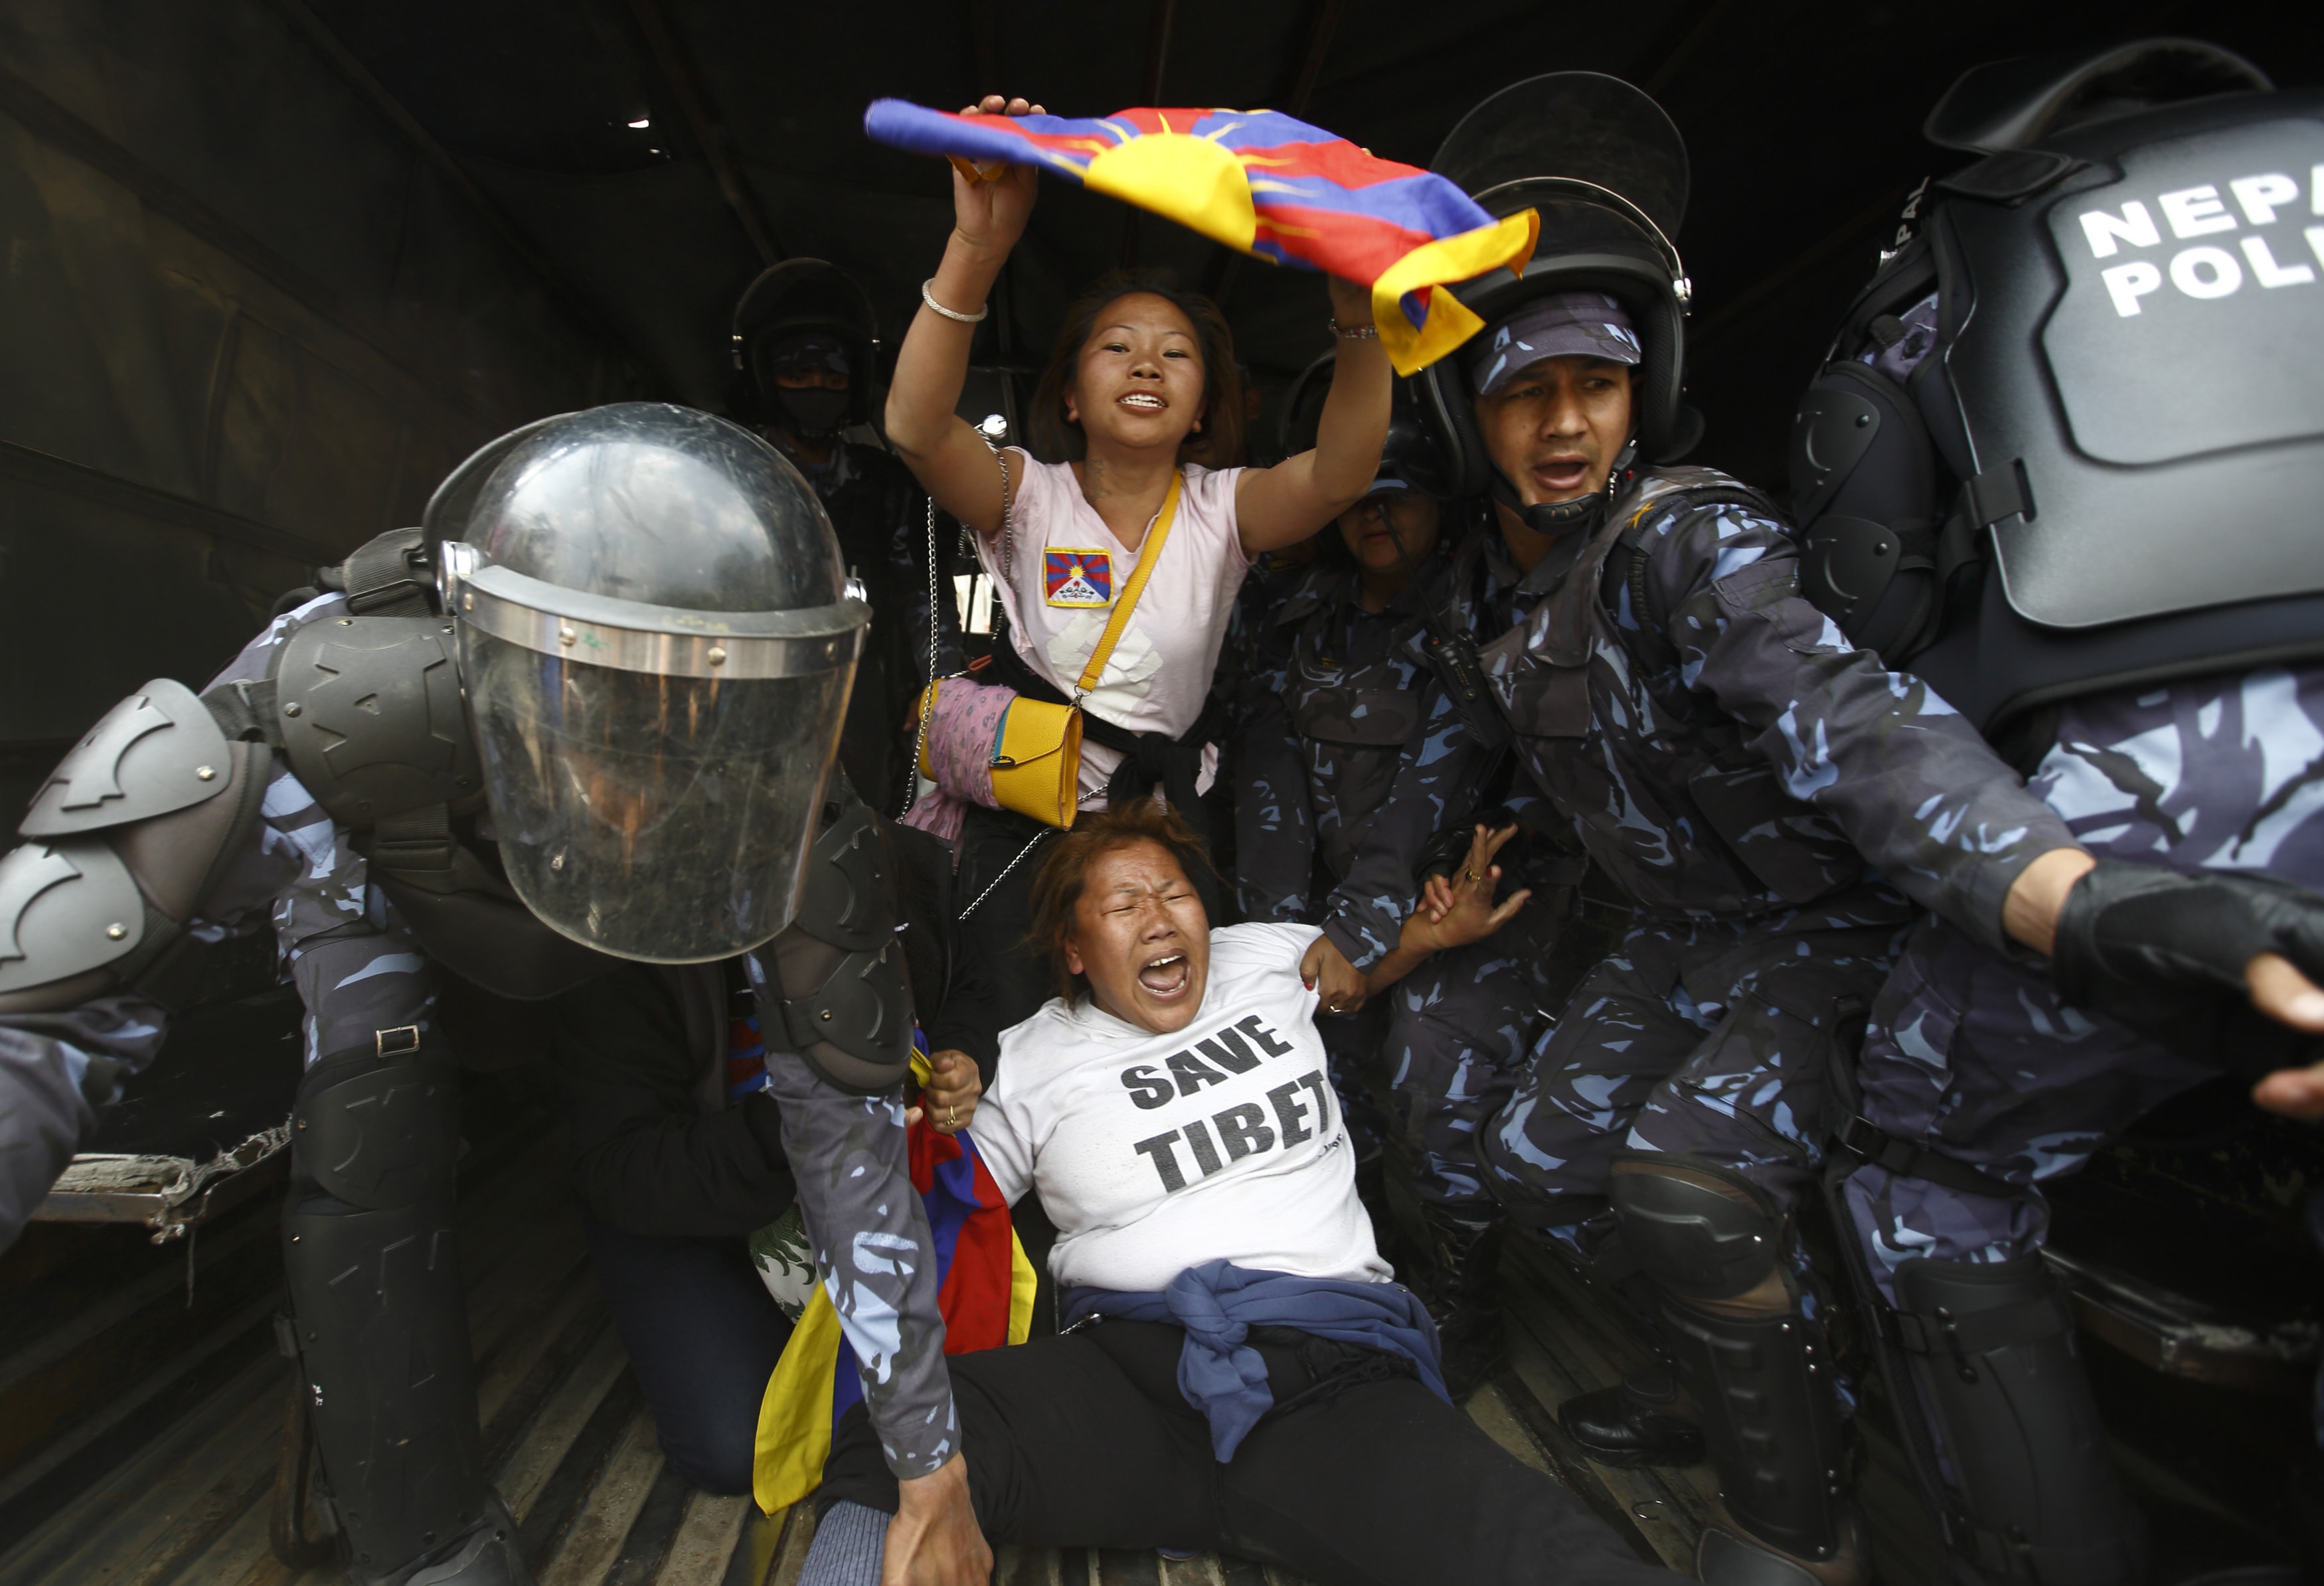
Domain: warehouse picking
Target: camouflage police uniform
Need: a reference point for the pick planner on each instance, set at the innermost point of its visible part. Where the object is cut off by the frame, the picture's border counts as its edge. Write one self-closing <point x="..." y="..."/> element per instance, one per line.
<point x="1355" y="758"/>
<point x="1972" y="1055"/>
<point x="880" y="513"/>
<point x="360" y="971"/>
<point x="1779" y="808"/>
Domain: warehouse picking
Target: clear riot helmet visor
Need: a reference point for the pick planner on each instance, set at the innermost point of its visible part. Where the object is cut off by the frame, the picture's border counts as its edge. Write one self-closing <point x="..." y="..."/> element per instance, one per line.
<point x="662" y="815"/>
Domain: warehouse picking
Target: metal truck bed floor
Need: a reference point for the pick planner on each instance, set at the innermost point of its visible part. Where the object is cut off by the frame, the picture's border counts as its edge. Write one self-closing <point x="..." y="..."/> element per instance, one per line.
<point x="139" y="1438"/>
<point x="142" y="1418"/>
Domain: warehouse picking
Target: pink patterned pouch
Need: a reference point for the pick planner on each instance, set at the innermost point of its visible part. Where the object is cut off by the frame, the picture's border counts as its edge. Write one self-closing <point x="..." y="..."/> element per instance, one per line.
<point x="962" y="730"/>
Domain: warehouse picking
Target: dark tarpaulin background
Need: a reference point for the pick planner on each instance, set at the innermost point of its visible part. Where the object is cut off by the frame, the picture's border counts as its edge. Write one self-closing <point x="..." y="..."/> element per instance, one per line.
<point x="273" y="265"/>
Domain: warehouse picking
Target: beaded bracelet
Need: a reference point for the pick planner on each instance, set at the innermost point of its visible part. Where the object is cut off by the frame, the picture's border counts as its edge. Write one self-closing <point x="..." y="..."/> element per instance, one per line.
<point x="1360" y="332"/>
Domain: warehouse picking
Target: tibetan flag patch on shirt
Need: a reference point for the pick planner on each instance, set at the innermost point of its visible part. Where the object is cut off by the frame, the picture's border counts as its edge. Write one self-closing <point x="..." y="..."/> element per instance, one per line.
<point x="1077" y="577"/>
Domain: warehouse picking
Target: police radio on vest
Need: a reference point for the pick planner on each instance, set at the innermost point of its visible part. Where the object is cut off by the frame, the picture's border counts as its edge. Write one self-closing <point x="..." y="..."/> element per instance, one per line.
<point x="2209" y="270"/>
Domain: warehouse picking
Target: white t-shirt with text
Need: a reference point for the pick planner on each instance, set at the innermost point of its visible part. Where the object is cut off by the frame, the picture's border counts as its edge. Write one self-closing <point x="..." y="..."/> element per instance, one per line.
<point x="1158" y="1153"/>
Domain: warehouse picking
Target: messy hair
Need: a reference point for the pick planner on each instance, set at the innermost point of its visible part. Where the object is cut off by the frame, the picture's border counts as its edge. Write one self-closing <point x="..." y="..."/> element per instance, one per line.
<point x="1065" y="874"/>
<point x="1055" y="439"/>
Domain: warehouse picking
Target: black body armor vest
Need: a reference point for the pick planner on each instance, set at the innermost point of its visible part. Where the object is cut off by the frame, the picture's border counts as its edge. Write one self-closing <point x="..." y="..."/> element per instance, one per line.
<point x="2106" y="466"/>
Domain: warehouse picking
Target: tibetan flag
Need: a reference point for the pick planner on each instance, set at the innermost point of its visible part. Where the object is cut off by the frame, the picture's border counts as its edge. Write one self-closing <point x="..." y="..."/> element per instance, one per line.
<point x="1267" y="185"/>
<point x="984" y="1290"/>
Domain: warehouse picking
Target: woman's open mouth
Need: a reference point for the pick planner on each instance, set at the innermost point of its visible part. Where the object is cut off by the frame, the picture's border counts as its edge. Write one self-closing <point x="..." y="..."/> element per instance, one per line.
<point x="1166" y="977"/>
<point x="1140" y="402"/>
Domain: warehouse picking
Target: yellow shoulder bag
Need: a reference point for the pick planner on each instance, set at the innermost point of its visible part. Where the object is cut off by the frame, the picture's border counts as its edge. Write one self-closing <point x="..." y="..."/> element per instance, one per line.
<point x="1036" y="761"/>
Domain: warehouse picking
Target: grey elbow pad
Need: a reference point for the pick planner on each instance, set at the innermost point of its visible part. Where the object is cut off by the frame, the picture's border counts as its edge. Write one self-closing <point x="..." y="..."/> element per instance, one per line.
<point x="127" y="833"/>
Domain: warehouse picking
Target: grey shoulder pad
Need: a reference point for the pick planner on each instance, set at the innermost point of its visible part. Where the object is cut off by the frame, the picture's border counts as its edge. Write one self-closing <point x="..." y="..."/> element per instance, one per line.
<point x="158" y="751"/>
<point x="372" y="716"/>
<point x="66" y="909"/>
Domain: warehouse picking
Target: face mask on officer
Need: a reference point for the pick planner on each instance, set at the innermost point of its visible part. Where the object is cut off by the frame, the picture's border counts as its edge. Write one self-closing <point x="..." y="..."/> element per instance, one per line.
<point x="1552" y="383"/>
<point x="810" y="378"/>
<point x="1391" y="529"/>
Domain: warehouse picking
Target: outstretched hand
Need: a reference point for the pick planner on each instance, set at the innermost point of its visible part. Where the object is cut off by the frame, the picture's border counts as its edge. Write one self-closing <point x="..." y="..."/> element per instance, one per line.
<point x="2220" y="966"/>
<point x="1456" y="911"/>
<point x="2280" y="992"/>
<point x="990" y="203"/>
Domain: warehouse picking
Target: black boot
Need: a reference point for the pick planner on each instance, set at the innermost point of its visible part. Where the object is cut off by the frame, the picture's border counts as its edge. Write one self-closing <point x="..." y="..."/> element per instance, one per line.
<point x="1461" y="1289"/>
<point x="1637" y="1422"/>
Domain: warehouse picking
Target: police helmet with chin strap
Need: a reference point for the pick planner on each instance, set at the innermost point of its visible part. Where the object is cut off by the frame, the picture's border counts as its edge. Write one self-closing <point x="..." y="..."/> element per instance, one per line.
<point x="1608" y="173"/>
<point x="1412" y="458"/>
<point x="801" y="298"/>
<point x="2071" y="434"/>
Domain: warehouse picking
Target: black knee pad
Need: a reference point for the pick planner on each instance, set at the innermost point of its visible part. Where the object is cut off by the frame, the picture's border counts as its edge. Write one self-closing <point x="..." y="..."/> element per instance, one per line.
<point x="1700" y="1231"/>
<point x="373" y="1266"/>
<point x="379" y="1129"/>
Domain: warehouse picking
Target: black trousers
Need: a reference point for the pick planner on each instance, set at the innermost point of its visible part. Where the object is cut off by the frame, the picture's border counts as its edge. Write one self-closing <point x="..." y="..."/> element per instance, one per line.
<point x="703" y="1335"/>
<point x="1084" y="1441"/>
<point x="1014" y="971"/>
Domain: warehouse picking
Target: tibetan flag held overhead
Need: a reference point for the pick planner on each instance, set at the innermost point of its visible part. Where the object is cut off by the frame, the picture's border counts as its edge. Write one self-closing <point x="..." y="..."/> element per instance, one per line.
<point x="1264" y="184"/>
<point x="985" y="1291"/>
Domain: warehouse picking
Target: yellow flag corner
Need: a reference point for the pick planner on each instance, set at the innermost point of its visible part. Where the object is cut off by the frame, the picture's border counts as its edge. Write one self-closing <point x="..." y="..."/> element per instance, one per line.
<point x="1507" y="243"/>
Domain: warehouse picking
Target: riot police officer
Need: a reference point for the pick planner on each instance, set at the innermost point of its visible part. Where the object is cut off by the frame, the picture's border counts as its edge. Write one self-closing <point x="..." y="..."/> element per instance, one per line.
<point x="806" y="343"/>
<point x="1779" y="807"/>
<point x="2074" y="523"/>
<point x="588" y="715"/>
<point x="1360" y="761"/>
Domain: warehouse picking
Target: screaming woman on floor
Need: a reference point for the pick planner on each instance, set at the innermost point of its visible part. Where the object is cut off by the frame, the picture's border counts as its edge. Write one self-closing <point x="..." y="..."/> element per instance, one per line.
<point x="1238" y="1370"/>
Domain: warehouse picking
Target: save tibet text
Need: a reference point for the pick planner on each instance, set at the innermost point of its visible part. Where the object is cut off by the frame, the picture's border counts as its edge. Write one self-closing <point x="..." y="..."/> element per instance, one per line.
<point x="1248" y="1128"/>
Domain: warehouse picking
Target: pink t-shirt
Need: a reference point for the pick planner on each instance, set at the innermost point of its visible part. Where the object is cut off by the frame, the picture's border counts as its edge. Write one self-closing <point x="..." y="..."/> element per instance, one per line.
<point x="1064" y="570"/>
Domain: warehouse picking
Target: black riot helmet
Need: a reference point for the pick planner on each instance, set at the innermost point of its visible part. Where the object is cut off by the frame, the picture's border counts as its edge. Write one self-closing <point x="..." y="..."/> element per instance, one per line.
<point x="1411" y="458"/>
<point x="811" y="312"/>
<point x="1606" y="170"/>
<point x="656" y="649"/>
<point x="2072" y="435"/>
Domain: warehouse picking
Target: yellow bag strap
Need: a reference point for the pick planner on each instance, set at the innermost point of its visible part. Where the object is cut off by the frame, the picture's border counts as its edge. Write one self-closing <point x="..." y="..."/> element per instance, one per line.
<point x="1148" y="555"/>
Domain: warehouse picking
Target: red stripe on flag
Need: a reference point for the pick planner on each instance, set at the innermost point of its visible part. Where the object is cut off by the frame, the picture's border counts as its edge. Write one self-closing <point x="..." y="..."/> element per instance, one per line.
<point x="1338" y="161"/>
<point x="975" y="1298"/>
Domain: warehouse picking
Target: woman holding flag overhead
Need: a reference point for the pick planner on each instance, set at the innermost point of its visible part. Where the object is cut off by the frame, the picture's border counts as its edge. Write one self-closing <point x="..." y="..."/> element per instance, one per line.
<point x="1116" y="568"/>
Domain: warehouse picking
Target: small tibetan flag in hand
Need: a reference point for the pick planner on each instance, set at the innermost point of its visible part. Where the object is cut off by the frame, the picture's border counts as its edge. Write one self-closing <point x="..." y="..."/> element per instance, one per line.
<point x="1264" y="184"/>
<point x="984" y="1292"/>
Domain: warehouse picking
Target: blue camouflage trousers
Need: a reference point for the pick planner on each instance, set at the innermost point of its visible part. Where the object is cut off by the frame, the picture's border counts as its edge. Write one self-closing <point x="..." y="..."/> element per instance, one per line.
<point x="1460" y="1029"/>
<point x="1974" y="1057"/>
<point x="1715" y="1038"/>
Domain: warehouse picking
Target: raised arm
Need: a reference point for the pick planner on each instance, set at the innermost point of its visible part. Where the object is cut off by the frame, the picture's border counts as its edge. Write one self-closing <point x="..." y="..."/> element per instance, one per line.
<point x="1284" y="504"/>
<point x="949" y="458"/>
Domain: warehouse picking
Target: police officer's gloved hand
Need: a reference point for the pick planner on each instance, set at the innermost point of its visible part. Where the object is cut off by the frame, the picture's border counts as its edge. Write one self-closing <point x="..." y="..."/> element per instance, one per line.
<point x="2165" y="952"/>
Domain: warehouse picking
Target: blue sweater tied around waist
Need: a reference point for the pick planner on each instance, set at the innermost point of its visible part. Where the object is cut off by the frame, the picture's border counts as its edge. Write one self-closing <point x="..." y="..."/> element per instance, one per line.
<point x="1219" y="1303"/>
